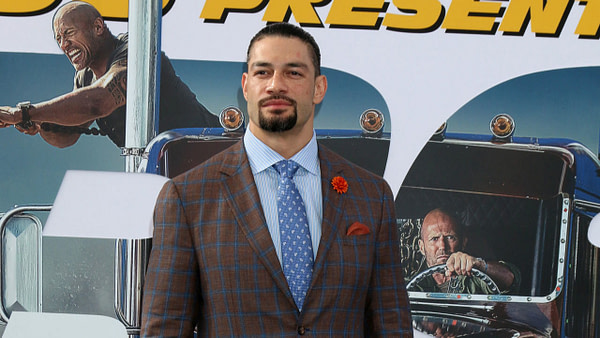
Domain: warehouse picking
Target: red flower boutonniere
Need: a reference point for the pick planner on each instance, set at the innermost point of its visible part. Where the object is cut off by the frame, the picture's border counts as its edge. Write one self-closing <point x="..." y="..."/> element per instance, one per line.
<point x="358" y="229"/>
<point x="339" y="184"/>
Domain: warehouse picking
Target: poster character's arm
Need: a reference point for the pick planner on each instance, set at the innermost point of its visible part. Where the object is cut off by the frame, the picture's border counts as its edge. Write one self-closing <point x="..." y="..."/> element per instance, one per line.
<point x="61" y="138"/>
<point x="82" y="105"/>
<point x="86" y="104"/>
<point x="33" y="130"/>
<point x="54" y="138"/>
<point x="9" y="116"/>
<point x="78" y="108"/>
<point x="461" y="263"/>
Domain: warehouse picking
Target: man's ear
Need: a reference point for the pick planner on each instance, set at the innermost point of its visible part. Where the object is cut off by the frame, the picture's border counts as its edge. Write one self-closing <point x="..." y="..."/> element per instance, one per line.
<point x="422" y="247"/>
<point x="244" y="79"/>
<point x="320" y="89"/>
<point x="98" y="26"/>
<point x="464" y="242"/>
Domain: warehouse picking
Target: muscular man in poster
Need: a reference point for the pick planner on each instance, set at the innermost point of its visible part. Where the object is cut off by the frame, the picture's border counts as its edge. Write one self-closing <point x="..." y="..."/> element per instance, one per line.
<point x="100" y="61"/>
<point x="442" y="241"/>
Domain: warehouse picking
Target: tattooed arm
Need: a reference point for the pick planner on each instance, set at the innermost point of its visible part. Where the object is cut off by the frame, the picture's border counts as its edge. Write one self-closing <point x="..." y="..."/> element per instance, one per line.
<point x="78" y="108"/>
<point x="86" y="104"/>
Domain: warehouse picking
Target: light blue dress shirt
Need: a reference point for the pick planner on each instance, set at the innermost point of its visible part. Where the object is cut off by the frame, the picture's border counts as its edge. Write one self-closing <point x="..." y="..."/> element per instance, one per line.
<point x="307" y="180"/>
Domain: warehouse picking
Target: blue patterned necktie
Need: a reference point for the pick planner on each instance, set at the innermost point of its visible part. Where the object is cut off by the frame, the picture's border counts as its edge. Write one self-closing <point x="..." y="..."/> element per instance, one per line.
<point x="296" y="246"/>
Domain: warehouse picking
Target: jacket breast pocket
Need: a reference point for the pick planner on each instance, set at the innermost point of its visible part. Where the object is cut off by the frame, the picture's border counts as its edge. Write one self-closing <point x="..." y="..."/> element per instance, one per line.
<point x="358" y="240"/>
<point x="355" y="256"/>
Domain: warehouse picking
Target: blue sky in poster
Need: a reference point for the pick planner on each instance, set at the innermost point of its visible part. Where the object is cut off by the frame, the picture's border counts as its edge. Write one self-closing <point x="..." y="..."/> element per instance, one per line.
<point x="560" y="103"/>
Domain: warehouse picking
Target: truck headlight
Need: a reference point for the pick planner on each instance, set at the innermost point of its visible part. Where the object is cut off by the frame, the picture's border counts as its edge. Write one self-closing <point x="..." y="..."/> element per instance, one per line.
<point x="502" y="126"/>
<point x="371" y="121"/>
<point x="231" y="118"/>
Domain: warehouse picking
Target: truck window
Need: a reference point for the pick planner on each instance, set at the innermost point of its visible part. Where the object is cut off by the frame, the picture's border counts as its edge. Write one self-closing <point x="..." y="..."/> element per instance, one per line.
<point x="519" y="231"/>
<point x="508" y="202"/>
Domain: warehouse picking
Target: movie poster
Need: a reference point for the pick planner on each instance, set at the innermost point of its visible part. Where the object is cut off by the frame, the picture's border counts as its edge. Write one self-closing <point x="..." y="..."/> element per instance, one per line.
<point x="421" y="64"/>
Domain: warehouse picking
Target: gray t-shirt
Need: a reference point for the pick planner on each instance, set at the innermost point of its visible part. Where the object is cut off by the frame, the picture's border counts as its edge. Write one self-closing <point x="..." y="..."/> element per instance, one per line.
<point x="178" y="105"/>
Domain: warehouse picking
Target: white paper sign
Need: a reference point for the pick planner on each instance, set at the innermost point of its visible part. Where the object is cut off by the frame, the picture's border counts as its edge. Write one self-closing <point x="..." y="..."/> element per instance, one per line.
<point x="95" y="204"/>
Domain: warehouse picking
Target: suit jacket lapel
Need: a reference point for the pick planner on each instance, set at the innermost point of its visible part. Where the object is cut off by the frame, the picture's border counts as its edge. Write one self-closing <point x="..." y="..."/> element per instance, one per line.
<point x="242" y="195"/>
<point x="333" y="206"/>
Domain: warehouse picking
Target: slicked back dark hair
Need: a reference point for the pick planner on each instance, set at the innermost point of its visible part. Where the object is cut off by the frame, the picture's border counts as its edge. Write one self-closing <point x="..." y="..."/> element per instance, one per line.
<point x="287" y="30"/>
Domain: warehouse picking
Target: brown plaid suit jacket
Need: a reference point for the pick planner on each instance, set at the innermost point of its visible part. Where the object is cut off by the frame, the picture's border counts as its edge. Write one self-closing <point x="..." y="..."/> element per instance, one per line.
<point x="213" y="264"/>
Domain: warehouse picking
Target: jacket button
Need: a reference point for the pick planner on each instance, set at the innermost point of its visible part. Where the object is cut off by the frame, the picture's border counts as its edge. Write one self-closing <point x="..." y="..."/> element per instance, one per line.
<point x="301" y="330"/>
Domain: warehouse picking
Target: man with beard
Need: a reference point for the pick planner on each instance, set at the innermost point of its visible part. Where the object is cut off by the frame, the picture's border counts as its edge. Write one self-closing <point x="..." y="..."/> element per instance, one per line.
<point x="443" y="241"/>
<point x="277" y="235"/>
<point x="99" y="94"/>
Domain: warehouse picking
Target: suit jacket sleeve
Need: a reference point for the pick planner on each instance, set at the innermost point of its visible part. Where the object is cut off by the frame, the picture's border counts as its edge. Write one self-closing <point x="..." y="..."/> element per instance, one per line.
<point x="388" y="312"/>
<point x="171" y="295"/>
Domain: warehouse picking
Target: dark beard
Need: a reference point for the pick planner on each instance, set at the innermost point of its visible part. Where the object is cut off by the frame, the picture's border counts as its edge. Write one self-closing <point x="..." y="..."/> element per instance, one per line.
<point x="278" y="123"/>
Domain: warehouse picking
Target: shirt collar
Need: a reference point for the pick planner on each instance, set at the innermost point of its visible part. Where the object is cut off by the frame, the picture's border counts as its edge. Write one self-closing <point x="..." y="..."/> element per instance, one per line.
<point x="261" y="157"/>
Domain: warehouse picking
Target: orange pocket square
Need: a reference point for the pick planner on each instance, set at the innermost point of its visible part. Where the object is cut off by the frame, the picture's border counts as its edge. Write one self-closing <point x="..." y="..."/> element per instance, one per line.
<point x="358" y="229"/>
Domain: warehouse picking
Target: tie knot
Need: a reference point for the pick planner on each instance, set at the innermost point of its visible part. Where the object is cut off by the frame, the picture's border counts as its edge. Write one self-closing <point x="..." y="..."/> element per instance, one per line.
<point x="286" y="168"/>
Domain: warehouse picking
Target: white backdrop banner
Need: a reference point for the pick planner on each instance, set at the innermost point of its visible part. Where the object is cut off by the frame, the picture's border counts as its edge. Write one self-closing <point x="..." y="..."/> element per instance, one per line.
<point x="427" y="58"/>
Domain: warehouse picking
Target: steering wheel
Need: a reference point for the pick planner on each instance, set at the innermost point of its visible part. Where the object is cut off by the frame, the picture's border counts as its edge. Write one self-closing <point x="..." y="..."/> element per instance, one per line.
<point x="441" y="268"/>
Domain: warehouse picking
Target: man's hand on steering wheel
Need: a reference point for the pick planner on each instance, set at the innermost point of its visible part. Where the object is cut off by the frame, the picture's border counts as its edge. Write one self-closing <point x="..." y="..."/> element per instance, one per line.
<point x="415" y="283"/>
<point x="461" y="263"/>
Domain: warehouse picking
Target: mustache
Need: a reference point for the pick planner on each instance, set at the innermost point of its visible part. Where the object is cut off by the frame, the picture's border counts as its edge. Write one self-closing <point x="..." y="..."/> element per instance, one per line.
<point x="276" y="97"/>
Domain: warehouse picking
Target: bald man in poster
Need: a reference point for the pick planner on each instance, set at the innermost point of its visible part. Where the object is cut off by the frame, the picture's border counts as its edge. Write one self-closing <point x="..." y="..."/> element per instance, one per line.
<point x="443" y="240"/>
